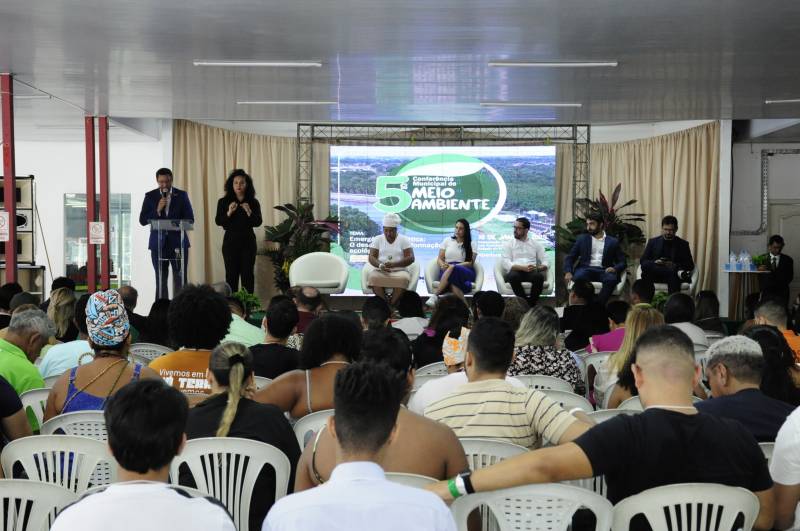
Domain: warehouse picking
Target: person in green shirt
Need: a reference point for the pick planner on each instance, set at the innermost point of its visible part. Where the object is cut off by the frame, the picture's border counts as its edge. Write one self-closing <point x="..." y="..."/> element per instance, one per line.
<point x="240" y="330"/>
<point x="28" y="332"/>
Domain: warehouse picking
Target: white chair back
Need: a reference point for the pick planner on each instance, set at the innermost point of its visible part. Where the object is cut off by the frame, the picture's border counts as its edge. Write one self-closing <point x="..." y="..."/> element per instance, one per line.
<point x="27" y="505"/>
<point x="91" y="424"/>
<point x="437" y="368"/>
<point x="592" y="360"/>
<point x="64" y="460"/>
<point x="634" y="403"/>
<point x="602" y="415"/>
<point x="545" y="383"/>
<point x="226" y="468"/>
<point x="148" y="351"/>
<point x="534" y="507"/>
<point x="411" y="480"/>
<point x="35" y="400"/>
<point x="767" y="448"/>
<point x="306" y="427"/>
<point x="689" y="507"/>
<point x="569" y="400"/>
<point x="486" y="452"/>
<point x="50" y="381"/>
<point x="261" y="381"/>
<point x="325" y="271"/>
<point x="432" y="276"/>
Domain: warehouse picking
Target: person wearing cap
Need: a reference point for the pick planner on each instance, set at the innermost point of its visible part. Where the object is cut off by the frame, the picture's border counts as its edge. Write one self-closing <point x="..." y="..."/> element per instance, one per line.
<point x="88" y="387"/>
<point x="390" y="254"/>
<point x="734" y="369"/>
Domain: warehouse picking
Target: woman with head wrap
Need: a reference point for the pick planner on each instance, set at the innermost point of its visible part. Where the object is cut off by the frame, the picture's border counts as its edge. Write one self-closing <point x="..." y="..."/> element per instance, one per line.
<point x="390" y="254"/>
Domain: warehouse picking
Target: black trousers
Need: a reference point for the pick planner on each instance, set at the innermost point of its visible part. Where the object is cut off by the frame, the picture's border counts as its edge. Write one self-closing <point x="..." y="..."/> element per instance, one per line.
<point x="239" y="255"/>
<point x="659" y="273"/>
<point x="516" y="278"/>
<point x="169" y="258"/>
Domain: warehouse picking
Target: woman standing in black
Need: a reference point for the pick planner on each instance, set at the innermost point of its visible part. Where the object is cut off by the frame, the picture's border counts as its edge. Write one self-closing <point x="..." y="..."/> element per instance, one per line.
<point x="238" y="212"/>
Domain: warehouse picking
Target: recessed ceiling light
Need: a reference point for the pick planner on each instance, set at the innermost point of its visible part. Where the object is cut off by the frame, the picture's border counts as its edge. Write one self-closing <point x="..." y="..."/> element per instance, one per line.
<point x="528" y="104"/>
<point x="295" y="102"/>
<point x="770" y="102"/>
<point x="555" y="64"/>
<point x="276" y="64"/>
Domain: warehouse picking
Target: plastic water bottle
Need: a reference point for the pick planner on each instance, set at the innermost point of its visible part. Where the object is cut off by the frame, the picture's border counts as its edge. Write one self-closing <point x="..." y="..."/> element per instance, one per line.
<point x="731" y="265"/>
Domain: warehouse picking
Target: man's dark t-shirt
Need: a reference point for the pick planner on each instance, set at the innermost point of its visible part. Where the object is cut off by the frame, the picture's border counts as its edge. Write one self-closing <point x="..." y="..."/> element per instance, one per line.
<point x="661" y="447"/>
<point x="271" y="360"/>
<point x="763" y="416"/>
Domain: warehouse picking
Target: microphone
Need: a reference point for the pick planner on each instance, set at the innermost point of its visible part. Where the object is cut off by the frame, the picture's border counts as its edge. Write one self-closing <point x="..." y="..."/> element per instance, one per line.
<point x="164" y="194"/>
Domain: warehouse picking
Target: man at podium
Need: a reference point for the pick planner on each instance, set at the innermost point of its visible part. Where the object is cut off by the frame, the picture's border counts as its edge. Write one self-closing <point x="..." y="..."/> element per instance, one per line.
<point x="167" y="203"/>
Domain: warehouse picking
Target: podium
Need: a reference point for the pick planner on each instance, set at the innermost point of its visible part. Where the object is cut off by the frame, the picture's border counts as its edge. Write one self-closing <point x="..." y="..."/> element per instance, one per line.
<point x="171" y="237"/>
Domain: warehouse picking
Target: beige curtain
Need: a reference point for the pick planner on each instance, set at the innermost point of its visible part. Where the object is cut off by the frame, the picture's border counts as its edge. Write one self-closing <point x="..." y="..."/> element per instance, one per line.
<point x="203" y="156"/>
<point x="674" y="174"/>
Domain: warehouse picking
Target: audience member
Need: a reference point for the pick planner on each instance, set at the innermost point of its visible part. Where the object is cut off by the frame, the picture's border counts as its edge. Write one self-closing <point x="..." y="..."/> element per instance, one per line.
<point x="58" y="283"/>
<point x="5" y="307"/>
<point x="611" y="341"/>
<point x="422" y="446"/>
<point x="375" y="313"/>
<point x="733" y="371"/>
<point x="412" y="316"/>
<point x="13" y="418"/>
<point x="450" y="315"/>
<point x="27" y="333"/>
<point x="309" y="302"/>
<point x="23" y="298"/>
<point x="223" y="288"/>
<point x="504" y="412"/>
<point x="773" y="314"/>
<point x="145" y="422"/>
<point x="679" y="312"/>
<point x="198" y="319"/>
<point x="63" y="357"/>
<point x="12" y="288"/>
<point x="156" y="325"/>
<point x="784" y="467"/>
<point x="487" y="304"/>
<point x="669" y="443"/>
<point x="706" y="313"/>
<point x="781" y="376"/>
<point x="88" y="387"/>
<point x="61" y="311"/>
<point x="642" y="292"/>
<point x="358" y="496"/>
<point x="240" y="331"/>
<point x="535" y="350"/>
<point x="513" y="311"/>
<point x="229" y="413"/>
<point x="130" y="297"/>
<point x="331" y="343"/>
<point x="273" y="358"/>
<point x="583" y="316"/>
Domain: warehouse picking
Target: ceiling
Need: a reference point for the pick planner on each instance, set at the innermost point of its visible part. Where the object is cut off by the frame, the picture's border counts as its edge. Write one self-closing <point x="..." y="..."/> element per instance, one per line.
<point x="411" y="61"/>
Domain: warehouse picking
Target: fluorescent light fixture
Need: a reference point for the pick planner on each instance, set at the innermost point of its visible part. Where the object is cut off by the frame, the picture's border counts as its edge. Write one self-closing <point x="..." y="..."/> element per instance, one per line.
<point x="280" y="102"/>
<point x="770" y="102"/>
<point x="276" y="64"/>
<point x="528" y="104"/>
<point x="556" y="64"/>
<point x="32" y="97"/>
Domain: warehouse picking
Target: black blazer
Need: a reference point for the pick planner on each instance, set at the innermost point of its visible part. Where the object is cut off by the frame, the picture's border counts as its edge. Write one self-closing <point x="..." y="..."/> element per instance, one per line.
<point x="782" y="276"/>
<point x="681" y="254"/>
<point x="581" y="253"/>
<point x="180" y="208"/>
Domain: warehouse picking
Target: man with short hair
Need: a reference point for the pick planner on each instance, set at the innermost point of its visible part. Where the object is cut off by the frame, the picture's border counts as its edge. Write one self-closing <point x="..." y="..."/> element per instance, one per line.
<point x="240" y="330"/>
<point x="62" y="357"/>
<point x="733" y="371"/>
<point x="670" y="442"/>
<point x="596" y="257"/>
<point x="28" y="332"/>
<point x="308" y="301"/>
<point x="375" y="313"/>
<point x="773" y="314"/>
<point x="584" y="316"/>
<point x="273" y="358"/>
<point x="358" y="496"/>
<point x="780" y="267"/>
<point x="611" y="341"/>
<point x="130" y="297"/>
<point x="642" y="292"/>
<point x="667" y="258"/>
<point x="503" y="412"/>
<point x="524" y="260"/>
<point x="679" y="312"/>
<point x="146" y="421"/>
<point x="488" y="304"/>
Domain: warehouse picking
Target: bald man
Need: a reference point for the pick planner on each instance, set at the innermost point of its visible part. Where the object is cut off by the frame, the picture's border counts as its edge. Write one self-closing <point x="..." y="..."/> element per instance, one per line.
<point x="670" y="442"/>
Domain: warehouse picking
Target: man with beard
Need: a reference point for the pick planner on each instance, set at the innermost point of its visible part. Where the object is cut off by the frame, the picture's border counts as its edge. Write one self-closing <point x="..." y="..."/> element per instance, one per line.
<point x="667" y="258"/>
<point x="596" y="257"/>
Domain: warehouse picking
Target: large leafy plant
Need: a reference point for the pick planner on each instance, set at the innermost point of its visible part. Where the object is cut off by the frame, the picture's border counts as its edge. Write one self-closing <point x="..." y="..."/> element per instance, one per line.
<point x="295" y="236"/>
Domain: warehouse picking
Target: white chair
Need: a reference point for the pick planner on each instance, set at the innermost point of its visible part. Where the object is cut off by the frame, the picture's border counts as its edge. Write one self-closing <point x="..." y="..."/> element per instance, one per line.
<point x="545" y="383"/>
<point x="432" y="276"/>
<point x="634" y="403"/>
<point x="410" y="480"/>
<point x="261" y="382"/>
<point x="569" y="400"/>
<point x="669" y="507"/>
<point x="422" y="379"/>
<point x="324" y="271"/>
<point x="438" y="368"/>
<point x="602" y="415"/>
<point x="534" y="507"/>
<point x="27" y="505"/>
<point x="767" y="448"/>
<point x="308" y="426"/>
<point x="712" y="336"/>
<point x="148" y="351"/>
<point x="35" y="399"/>
<point x="599" y="285"/>
<point x="413" y="271"/>
<point x="504" y="288"/>
<point x="686" y="287"/>
<point x="226" y="468"/>
<point x="50" y="381"/>
<point x="65" y="460"/>
<point x="91" y="424"/>
<point x="193" y="493"/>
<point x="592" y="360"/>
<point x="486" y="452"/>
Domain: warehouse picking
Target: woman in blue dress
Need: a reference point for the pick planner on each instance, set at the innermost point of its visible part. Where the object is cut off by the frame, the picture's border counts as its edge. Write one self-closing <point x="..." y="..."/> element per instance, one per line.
<point x="457" y="261"/>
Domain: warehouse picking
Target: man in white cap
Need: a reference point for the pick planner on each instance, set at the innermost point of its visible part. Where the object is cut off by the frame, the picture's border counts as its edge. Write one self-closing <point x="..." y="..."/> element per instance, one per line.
<point x="390" y="254"/>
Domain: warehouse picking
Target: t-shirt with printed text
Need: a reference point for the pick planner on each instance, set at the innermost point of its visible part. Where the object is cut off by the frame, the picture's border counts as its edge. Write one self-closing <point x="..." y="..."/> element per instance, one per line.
<point x="185" y="370"/>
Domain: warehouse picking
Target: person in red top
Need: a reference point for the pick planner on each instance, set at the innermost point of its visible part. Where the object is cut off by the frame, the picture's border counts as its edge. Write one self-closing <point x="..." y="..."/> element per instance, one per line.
<point x="773" y="314"/>
<point x="308" y="302"/>
<point x="611" y="341"/>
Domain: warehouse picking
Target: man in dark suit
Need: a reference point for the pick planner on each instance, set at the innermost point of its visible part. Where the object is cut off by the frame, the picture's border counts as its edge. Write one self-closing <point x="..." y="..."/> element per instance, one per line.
<point x="596" y="257"/>
<point x="781" y="268"/>
<point x="667" y="258"/>
<point x="166" y="202"/>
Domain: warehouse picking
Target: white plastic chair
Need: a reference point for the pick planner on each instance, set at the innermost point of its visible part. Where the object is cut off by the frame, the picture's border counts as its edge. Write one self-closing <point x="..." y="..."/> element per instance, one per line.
<point x="438" y="368"/>
<point x="36" y="400"/>
<point x="411" y="480"/>
<point x="504" y="288"/>
<point x="703" y="501"/>
<point x="194" y="493"/>
<point x="686" y="287"/>
<point x="308" y="426"/>
<point x="602" y="415"/>
<point x="432" y="276"/>
<point x="27" y="505"/>
<point x="486" y="452"/>
<point x="64" y="460"/>
<point x="569" y="400"/>
<point x="413" y="272"/>
<point x="634" y="403"/>
<point x="592" y="360"/>
<point x="767" y="448"/>
<point x="226" y="468"/>
<point x="91" y="424"/>
<point x="148" y="351"/>
<point x="598" y="286"/>
<point x="261" y="381"/>
<point x="324" y="271"/>
<point x="534" y="507"/>
<point x="545" y="383"/>
<point x="50" y="381"/>
<point x="420" y="380"/>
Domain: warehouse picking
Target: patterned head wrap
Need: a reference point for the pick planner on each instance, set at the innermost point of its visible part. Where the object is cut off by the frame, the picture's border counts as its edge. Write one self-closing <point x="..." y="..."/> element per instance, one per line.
<point x="106" y="318"/>
<point x="454" y="350"/>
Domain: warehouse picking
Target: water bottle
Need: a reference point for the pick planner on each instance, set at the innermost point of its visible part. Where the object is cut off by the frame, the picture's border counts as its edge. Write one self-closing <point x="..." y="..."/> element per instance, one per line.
<point x="731" y="265"/>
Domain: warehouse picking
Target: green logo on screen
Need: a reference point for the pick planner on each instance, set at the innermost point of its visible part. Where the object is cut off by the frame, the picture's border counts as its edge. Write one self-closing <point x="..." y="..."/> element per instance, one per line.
<point x="431" y="193"/>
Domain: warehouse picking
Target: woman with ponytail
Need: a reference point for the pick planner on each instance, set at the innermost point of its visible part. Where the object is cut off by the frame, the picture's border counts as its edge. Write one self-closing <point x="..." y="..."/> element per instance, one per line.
<point x="228" y="412"/>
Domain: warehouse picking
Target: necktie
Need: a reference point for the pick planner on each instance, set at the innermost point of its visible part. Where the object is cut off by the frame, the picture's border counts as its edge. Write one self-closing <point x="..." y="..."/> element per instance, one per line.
<point x="774" y="263"/>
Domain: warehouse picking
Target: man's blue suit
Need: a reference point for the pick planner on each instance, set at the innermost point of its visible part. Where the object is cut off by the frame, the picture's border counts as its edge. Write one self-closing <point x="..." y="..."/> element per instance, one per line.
<point x="579" y="257"/>
<point x="179" y="208"/>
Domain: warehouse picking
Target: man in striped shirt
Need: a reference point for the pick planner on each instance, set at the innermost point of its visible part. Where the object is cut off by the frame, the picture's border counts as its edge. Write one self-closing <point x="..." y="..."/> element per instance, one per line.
<point x="489" y="407"/>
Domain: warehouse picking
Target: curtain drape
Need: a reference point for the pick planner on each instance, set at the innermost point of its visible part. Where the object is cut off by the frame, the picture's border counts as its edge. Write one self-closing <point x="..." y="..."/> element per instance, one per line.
<point x="674" y="174"/>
